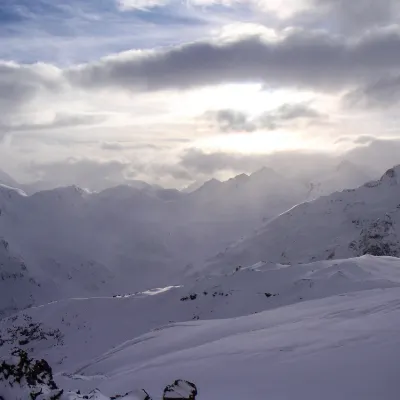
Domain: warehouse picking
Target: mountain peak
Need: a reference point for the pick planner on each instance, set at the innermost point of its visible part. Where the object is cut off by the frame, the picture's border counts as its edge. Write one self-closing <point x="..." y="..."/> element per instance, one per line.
<point x="346" y="165"/>
<point x="211" y="183"/>
<point x="241" y="177"/>
<point x="392" y="175"/>
<point x="264" y="171"/>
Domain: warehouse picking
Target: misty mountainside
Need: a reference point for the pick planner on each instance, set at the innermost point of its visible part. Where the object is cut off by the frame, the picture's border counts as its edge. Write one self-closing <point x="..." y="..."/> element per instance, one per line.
<point x="73" y="242"/>
<point x="234" y="335"/>
<point x="342" y="225"/>
<point x="345" y="175"/>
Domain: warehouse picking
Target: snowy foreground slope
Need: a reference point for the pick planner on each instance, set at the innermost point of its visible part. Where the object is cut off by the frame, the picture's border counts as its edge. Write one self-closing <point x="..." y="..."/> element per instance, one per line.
<point x="342" y="225"/>
<point x="342" y="347"/>
<point x="262" y="329"/>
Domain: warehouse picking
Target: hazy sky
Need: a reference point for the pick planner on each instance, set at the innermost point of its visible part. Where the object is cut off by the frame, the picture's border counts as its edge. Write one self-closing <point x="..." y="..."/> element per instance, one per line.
<point x="175" y="90"/>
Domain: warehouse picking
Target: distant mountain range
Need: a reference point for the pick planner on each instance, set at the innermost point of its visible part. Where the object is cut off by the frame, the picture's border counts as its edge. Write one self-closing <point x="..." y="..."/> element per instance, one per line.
<point x="74" y="242"/>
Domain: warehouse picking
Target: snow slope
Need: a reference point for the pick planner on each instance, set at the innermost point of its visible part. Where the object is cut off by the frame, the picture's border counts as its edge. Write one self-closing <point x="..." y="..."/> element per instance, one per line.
<point x="69" y="333"/>
<point x="343" y="347"/>
<point x="345" y="224"/>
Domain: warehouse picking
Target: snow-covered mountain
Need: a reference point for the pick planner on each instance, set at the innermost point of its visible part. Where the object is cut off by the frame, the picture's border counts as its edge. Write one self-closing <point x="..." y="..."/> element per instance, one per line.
<point x="77" y="243"/>
<point x="74" y="242"/>
<point x="345" y="224"/>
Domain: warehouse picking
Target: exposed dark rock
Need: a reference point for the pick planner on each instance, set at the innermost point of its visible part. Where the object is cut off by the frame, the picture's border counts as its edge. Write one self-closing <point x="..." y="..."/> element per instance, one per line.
<point x="378" y="239"/>
<point x="27" y="332"/>
<point x="35" y="376"/>
<point x="22" y="378"/>
<point x="180" y="389"/>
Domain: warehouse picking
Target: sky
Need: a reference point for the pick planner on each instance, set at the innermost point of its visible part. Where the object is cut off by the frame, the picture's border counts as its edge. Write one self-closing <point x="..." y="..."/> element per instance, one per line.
<point x="174" y="91"/>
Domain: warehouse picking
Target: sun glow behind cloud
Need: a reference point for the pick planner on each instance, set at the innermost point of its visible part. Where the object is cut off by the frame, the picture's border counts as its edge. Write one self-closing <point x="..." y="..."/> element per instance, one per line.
<point x="253" y="99"/>
<point x="139" y="81"/>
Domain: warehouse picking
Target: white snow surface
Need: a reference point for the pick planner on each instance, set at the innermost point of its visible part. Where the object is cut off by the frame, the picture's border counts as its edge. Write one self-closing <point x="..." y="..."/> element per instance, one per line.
<point x="343" y="347"/>
<point x="327" y="327"/>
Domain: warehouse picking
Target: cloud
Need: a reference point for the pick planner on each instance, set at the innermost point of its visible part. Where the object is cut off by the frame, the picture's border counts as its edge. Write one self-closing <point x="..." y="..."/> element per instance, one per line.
<point x="119" y="146"/>
<point x="91" y="173"/>
<point x="133" y="98"/>
<point x="282" y="9"/>
<point x="233" y="121"/>
<point x="288" y="113"/>
<point x="20" y="88"/>
<point x="378" y="154"/>
<point x="374" y="156"/>
<point x="382" y="92"/>
<point x="112" y="146"/>
<point x="59" y="120"/>
<point x="362" y="139"/>
<point x="198" y="162"/>
<point x="140" y="4"/>
<point x="21" y="84"/>
<point x="359" y="15"/>
<point x="299" y="59"/>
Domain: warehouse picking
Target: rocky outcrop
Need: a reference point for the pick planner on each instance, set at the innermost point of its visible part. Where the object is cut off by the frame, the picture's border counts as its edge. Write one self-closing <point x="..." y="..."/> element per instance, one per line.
<point x="379" y="239"/>
<point x="22" y="378"/>
<point x="180" y="389"/>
